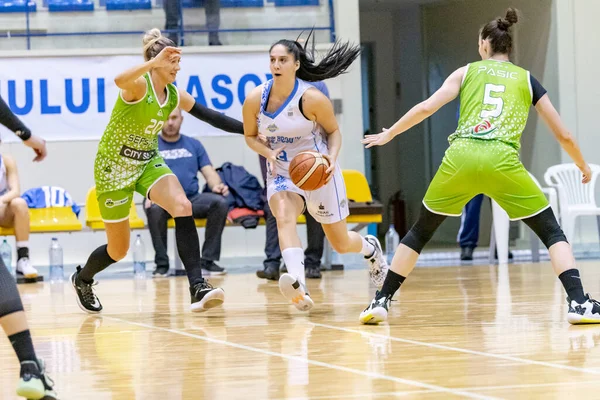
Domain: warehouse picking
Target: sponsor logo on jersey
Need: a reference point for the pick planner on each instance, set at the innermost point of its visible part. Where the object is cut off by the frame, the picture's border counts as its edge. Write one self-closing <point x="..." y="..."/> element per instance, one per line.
<point x="483" y="128"/>
<point x="290" y="112"/>
<point x="272" y="128"/>
<point x="138" y="155"/>
<point x="322" y="212"/>
<point x="283" y="139"/>
<point x="140" y="141"/>
<point x="150" y="99"/>
<point x="110" y="203"/>
<point x="343" y="203"/>
<point x="160" y="112"/>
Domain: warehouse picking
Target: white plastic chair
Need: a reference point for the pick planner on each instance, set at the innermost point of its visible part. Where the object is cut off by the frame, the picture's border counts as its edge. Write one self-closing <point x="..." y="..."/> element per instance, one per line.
<point x="501" y="225"/>
<point x="575" y="198"/>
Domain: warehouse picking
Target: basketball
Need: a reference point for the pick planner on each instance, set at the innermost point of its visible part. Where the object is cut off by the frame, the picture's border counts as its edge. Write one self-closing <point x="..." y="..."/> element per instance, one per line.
<point x="307" y="170"/>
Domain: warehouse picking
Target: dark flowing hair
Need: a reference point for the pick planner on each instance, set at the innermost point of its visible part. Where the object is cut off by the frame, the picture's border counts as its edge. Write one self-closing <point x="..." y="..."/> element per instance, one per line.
<point x="336" y="61"/>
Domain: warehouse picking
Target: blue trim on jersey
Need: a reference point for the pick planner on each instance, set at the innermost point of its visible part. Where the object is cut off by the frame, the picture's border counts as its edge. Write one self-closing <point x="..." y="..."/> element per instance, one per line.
<point x="337" y="197"/>
<point x="283" y="106"/>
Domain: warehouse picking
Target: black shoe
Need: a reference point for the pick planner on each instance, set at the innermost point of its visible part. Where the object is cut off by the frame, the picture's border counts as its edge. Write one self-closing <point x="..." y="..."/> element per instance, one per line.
<point x="270" y="272"/>
<point x="313" y="272"/>
<point x="161" y="271"/>
<point x="34" y="383"/>
<point x="211" y="268"/>
<point x="204" y="296"/>
<point x="587" y="312"/>
<point x="510" y="254"/>
<point x="466" y="253"/>
<point x="86" y="298"/>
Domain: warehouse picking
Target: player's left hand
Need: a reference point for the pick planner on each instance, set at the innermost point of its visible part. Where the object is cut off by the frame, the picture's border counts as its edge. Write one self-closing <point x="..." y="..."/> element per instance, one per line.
<point x="377" y="140"/>
<point x="221" y="189"/>
<point x="332" y="163"/>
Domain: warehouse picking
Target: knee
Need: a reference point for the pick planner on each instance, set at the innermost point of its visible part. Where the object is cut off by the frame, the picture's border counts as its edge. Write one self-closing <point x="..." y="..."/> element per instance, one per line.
<point x="220" y="204"/>
<point x="117" y="251"/>
<point x="19" y="206"/>
<point x="182" y="207"/>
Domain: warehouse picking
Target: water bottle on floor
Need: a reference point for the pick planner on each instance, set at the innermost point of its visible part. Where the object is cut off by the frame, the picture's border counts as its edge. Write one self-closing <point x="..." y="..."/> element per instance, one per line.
<point x="391" y="242"/>
<point x="139" y="259"/>
<point x="6" y="254"/>
<point x="56" y="262"/>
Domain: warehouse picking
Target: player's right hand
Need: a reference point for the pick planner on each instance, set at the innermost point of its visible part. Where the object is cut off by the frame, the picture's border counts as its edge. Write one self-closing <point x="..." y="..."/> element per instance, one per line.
<point x="587" y="173"/>
<point x="39" y="147"/>
<point x="167" y="56"/>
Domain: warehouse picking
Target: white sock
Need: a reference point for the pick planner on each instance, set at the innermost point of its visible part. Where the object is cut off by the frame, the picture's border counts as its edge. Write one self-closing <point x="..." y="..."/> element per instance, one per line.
<point x="294" y="262"/>
<point x="368" y="249"/>
<point x="22" y="244"/>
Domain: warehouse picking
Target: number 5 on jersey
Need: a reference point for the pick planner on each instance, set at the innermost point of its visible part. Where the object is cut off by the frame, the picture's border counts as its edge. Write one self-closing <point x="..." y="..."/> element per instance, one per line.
<point x="496" y="102"/>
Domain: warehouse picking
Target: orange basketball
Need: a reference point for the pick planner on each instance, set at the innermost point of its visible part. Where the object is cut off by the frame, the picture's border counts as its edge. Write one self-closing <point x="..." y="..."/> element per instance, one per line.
<point x="307" y="170"/>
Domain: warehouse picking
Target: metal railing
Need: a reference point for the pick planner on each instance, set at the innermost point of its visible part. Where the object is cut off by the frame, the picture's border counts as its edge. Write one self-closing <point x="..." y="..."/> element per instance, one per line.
<point x="29" y="34"/>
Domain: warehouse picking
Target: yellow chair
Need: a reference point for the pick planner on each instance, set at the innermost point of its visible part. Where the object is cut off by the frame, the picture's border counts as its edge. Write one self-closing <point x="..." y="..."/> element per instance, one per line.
<point x="54" y="219"/>
<point x="94" y="220"/>
<point x="358" y="191"/>
<point x="357" y="187"/>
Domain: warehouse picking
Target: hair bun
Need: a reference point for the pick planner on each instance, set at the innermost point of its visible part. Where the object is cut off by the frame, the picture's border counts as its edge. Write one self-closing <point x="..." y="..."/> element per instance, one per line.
<point x="151" y="36"/>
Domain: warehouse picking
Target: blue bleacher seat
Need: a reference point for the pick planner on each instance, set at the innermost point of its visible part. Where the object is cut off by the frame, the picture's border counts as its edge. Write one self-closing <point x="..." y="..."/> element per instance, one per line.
<point x="224" y="3"/>
<point x="10" y="6"/>
<point x="128" y="4"/>
<point x="70" y="5"/>
<point x="292" y="3"/>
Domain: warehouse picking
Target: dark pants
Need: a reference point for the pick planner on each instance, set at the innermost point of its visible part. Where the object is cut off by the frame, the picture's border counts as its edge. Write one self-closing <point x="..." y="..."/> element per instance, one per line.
<point x="211" y="8"/>
<point x="211" y="206"/>
<point x="314" y="231"/>
<point x="468" y="235"/>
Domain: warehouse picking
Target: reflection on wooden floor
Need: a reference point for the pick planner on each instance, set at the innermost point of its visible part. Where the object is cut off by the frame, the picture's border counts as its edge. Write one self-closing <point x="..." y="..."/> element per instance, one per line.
<point x="455" y="332"/>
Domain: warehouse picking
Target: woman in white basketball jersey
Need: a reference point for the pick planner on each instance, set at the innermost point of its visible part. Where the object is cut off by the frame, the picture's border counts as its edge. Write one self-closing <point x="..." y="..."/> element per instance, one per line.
<point x="296" y="117"/>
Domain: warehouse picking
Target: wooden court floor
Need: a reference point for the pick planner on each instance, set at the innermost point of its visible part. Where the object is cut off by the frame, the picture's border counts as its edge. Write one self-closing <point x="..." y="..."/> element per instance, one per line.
<point x="455" y="332"/>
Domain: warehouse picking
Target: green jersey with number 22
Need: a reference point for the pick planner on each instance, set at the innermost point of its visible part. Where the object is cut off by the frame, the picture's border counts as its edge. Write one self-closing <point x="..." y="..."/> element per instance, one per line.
<point x="130" y="140"/>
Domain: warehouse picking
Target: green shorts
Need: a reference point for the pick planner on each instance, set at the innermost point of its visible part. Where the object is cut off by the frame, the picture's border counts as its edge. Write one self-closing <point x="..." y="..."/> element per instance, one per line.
<point x="473" y="166"/>
<point x="115" y="204"/>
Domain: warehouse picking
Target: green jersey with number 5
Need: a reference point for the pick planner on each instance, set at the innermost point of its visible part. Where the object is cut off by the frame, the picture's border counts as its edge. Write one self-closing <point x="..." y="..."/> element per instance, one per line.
<point x="495" y="97"/>
<point x="130" y="140"/>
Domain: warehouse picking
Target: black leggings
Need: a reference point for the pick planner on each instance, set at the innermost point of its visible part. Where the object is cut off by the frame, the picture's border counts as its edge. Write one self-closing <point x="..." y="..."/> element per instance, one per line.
<point x="543" y="224"/>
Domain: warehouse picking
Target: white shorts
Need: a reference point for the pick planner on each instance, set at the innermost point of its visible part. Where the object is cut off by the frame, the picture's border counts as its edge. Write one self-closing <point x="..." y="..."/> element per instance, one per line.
<point x="327" y="205"/>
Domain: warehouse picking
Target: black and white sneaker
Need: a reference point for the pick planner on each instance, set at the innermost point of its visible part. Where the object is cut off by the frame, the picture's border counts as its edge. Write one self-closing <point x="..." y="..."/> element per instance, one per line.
<point x="377" y="311"/>
<point x="378" y="266"/>
<point x="296" y="292"/>
<point x="161" y="271"/>
<point x="34" y="384"/>
<point x="205" y="297"/>
<point x="86" y="298"/>
<point x="586" y="313"/>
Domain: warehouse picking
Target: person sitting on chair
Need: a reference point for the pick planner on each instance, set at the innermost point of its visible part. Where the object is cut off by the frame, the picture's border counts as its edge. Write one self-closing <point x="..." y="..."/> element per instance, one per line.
<point x="186" y="156"/>
<point x="14" y="213"/>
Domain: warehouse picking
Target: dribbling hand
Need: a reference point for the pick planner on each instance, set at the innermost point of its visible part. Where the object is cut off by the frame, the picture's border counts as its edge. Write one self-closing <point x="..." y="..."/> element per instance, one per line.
<point x="377" y="140"/>
<point x="332" y="163"/>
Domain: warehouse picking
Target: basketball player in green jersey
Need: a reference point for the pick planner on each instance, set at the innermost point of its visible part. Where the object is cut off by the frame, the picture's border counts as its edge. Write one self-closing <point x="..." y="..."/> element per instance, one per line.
<point x="128" y="161"/>
<point x="483" y="157"/>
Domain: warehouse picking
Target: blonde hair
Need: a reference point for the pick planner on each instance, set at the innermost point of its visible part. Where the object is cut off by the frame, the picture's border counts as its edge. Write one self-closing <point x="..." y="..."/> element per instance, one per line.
<point x="154" y="42"/>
